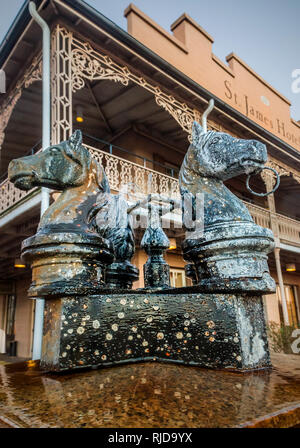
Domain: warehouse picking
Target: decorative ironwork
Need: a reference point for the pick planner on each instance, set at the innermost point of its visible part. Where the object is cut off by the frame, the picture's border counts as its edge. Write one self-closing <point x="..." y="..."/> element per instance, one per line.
<point x="31" y="75"/>
<point x="73" y="61"/>
<point x="268" y="177"/>
<point x="179" y="111"/>
<point x="225" y="222"/>
<point x="9" y="195"/>
<point x="6" y="111"/>
<point x="61" y="80"/>
<point x="143" y="179"/>
<point x="121" y="172"/>
<point x="87" y="63"/>
<point x="280" y="169"/>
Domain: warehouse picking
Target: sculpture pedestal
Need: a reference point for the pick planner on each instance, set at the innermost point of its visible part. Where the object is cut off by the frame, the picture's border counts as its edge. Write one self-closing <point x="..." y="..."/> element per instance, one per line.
<point x="231" y="256"/>
<point x="66" y="263"/>
<point x="224" y="331"/>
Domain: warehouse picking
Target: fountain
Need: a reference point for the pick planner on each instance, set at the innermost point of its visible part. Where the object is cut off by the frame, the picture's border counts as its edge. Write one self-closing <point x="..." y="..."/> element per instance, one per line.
<point x="80" y="258"/>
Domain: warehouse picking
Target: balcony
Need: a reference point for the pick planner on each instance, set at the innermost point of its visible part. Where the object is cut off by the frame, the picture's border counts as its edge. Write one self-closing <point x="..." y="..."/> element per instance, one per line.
<point x="141" y="179"/>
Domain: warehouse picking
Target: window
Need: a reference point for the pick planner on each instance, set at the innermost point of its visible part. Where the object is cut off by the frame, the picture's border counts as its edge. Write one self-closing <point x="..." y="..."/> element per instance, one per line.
<point x="178" y="278"/>
<point x="290" y="296"/>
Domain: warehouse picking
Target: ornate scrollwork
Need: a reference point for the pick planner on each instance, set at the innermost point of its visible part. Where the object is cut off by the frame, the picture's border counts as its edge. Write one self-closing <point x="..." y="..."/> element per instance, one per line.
<point x="6" y="111"/>
<point x="182" y="115"/>
<point x="283" y="171"/>
<point x="31" y="75"/>
<point x="268" y="178"/>
<point x="88" y="63"/>
<point x="280" y="169"/>
<point x="84" y="65"/>
<point x="34" y="73"/>
<point x="297" y="178"/>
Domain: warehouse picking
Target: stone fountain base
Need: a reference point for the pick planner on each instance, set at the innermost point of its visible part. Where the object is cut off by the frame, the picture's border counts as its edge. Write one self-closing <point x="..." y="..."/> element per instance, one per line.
<point x="225" y="331"/>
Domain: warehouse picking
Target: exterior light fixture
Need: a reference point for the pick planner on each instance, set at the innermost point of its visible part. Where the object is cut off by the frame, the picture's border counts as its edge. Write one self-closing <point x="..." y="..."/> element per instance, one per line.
<point x="79" y="114"/>
<point x="19" y="264"/>
<point x="172" y="243"/>
<point x="290" y="267"/>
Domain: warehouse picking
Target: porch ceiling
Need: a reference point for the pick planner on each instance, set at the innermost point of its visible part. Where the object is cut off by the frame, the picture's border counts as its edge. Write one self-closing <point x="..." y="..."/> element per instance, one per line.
<point x="24" y="129"/>
<point x="11" y="237"/>
<point x="287" y="197"/>
<point x="286" y="257"/>
<point x="110" y="107"/>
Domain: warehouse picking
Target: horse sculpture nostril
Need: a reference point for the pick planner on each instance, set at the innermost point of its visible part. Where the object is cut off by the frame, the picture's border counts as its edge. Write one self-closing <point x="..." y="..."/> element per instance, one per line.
<point x="257" y="151"/>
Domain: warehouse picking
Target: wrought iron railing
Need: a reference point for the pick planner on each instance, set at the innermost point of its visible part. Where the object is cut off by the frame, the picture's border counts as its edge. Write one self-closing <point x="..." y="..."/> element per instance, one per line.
<point x="9" y="195"/>
<point x="121" y="172"/>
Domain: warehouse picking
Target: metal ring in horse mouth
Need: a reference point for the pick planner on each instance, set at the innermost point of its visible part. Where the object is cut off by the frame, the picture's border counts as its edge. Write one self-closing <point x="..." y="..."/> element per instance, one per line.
<point x="268" y="192"/>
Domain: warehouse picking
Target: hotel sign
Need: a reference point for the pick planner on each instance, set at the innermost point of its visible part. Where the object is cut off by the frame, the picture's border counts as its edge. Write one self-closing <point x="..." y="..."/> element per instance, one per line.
<point x="275" y="125"/>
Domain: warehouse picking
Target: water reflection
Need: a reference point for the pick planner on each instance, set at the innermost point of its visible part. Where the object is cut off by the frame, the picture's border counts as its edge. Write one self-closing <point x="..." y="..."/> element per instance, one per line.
<point x="143" y="395"/>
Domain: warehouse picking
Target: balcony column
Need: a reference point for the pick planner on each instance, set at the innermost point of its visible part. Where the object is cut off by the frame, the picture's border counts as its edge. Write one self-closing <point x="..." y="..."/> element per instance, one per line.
<point x="281" y="286"/>
<point x="269" y="181"/>
<point x="61" y="80"/>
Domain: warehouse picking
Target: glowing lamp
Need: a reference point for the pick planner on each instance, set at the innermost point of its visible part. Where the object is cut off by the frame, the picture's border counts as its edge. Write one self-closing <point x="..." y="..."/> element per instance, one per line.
<point x="19" y="264"/>
<point x="172" y="243"/>
<point x="79" y="114"/>
<point x="290" y="267"/>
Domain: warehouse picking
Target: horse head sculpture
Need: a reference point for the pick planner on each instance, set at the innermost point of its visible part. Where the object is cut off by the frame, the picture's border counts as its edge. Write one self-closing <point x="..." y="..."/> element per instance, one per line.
<point x="69" y="229"/>
<point x="67" y="167"/>
<point x="212" y="158"/>
<point x="231" y="252"/>
<point x="67" y="255"/>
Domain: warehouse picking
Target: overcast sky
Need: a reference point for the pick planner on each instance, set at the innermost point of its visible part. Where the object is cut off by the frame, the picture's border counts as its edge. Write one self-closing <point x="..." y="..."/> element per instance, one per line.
<point x="264" y="33"/>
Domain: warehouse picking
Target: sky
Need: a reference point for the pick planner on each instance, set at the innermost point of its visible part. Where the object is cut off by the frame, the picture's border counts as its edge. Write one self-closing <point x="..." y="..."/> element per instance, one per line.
<point x="264" y="33"/>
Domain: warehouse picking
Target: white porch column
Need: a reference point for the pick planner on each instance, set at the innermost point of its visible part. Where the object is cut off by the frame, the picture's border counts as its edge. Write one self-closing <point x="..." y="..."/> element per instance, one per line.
<point x="281" y="286"/>
<point x="61" y="71"/>
<point x="269" y="180"/>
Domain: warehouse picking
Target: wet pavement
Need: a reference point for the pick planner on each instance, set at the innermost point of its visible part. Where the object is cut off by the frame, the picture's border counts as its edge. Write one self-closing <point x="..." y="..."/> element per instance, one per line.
<point x="6" y="359"/>
<point x="151" y="395"/>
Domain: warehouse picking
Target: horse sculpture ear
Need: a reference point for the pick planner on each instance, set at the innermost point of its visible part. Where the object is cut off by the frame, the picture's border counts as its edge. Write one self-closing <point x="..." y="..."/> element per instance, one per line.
<point x="75" y="151"/>
<point x="76" y="140"/>
<point x="197" y="131"/>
